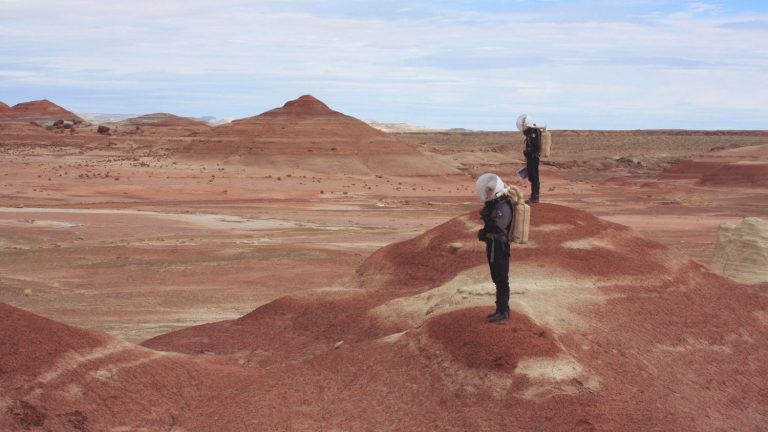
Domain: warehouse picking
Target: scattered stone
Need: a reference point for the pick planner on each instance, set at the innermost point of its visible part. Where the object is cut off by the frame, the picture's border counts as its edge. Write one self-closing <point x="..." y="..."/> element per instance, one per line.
<point x="455" y="247"/>
<point x="103" y="374"/>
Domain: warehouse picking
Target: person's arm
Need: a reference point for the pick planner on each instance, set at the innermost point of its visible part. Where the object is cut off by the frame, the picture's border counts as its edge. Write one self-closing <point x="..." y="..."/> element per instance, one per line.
<point x="526" y="146"/>
<point x="503" y="216"/>
<point x="535" y="138"/>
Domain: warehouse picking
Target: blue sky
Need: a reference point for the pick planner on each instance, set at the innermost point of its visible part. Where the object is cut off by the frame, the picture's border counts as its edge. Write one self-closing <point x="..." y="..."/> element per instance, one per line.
<point x="474" y="64"/>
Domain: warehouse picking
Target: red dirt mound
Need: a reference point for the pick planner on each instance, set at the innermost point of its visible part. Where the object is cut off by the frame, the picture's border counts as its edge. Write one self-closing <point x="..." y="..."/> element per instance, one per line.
<point x="41" y="111"/>
<point x="29" y="342"/>
<point x="439" y="254"/>
<point x="306" y="105"/>
<point x="425" y="261"/>
<point x="290" y="329"/>
<point x="745" y="167"/>
<point x="54" y="377"/>
<point x="466" y="335"/>
<point x="625" y="253"/>
<point x="3" y="107"/>
<point x="738" y="175"/>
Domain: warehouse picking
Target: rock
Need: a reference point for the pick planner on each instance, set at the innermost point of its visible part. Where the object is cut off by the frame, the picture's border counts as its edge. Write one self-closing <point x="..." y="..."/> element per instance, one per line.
<point x="741" y="251"/>
<point x="103" y="374"/>
<point x="454" y="247"/>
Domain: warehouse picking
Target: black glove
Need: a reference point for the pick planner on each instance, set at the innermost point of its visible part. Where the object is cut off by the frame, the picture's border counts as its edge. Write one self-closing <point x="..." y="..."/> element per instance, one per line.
<point x="481" y="235"/>
<point x="485" y="212"/>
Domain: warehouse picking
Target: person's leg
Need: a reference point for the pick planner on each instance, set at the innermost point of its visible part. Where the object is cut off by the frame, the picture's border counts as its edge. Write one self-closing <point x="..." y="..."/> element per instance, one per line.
<point x="533" y="177"/>
<point x="501" y="279"/>
<point x="492" y="268"/>
<point x="500" y="276"/>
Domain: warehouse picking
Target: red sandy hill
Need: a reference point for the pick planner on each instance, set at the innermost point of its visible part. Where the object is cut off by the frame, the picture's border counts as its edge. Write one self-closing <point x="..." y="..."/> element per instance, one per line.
<point x="609" y="331"/>
<point x="41" y="111"/>
<point x="54" y="377"/>
<point x="305" y="105"/>
<point x="306" y="134"/>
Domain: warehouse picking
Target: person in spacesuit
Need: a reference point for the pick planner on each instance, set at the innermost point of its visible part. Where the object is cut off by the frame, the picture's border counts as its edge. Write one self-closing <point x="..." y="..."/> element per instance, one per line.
<point x="497" y="218"/>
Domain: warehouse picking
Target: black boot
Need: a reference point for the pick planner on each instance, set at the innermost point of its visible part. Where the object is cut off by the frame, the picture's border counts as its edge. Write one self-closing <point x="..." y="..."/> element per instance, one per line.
<point x="494" y="313"/>
<point x="499" y="316"/>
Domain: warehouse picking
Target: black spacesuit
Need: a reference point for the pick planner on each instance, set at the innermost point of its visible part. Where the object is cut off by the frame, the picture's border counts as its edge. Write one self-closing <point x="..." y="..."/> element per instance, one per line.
<point x="532" y="154"/>
<point x="497" y="217"/>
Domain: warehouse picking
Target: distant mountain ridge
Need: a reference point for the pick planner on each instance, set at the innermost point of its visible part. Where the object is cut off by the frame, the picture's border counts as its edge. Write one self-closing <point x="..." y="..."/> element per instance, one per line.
<point x="102" y="118"/>
<point x="306" y="134"/>
<point x="406" y="127"/>
<point x="46" y="112"/>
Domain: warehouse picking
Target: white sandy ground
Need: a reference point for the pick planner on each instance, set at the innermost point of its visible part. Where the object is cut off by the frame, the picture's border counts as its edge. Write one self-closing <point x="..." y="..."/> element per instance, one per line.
<point x="549" y="296"/>
<point x="546" y="295"/>
<point x="31" y="216"/>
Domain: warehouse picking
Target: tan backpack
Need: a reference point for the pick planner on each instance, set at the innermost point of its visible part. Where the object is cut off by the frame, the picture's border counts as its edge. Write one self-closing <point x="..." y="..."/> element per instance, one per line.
<point x="546" y="142"/>
<point x="521" y="217"/>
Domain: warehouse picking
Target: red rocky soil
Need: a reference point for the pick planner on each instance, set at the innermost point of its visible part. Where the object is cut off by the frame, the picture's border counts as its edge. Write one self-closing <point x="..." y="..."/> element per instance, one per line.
<point x="733" y="168"/>
<point x="275" y="283"/>
<point x="672" y="347"/>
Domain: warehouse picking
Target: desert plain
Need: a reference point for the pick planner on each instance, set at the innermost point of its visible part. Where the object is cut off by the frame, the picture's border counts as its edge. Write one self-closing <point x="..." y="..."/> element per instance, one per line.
<point x="302" y="270"/>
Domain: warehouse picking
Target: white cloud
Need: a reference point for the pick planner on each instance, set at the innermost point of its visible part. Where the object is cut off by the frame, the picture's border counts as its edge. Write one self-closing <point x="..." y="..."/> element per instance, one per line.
<point x="234" y="59"/>
<point x="701" y="7"/>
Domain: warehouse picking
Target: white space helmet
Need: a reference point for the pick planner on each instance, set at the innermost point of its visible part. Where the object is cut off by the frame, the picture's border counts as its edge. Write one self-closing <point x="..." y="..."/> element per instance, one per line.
<point x="524" y="122"/>
<point x="493" y="183"/>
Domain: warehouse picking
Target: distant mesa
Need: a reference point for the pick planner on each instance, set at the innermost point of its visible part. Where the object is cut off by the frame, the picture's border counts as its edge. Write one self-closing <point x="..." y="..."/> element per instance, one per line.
<point x="103" y="118"/>
<point x="162" y="120"/>
<point x="409" y="128"/>
<point x="42" y="112"/>
<point x="306" y="134"/>
<point x="214" y="121"/>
